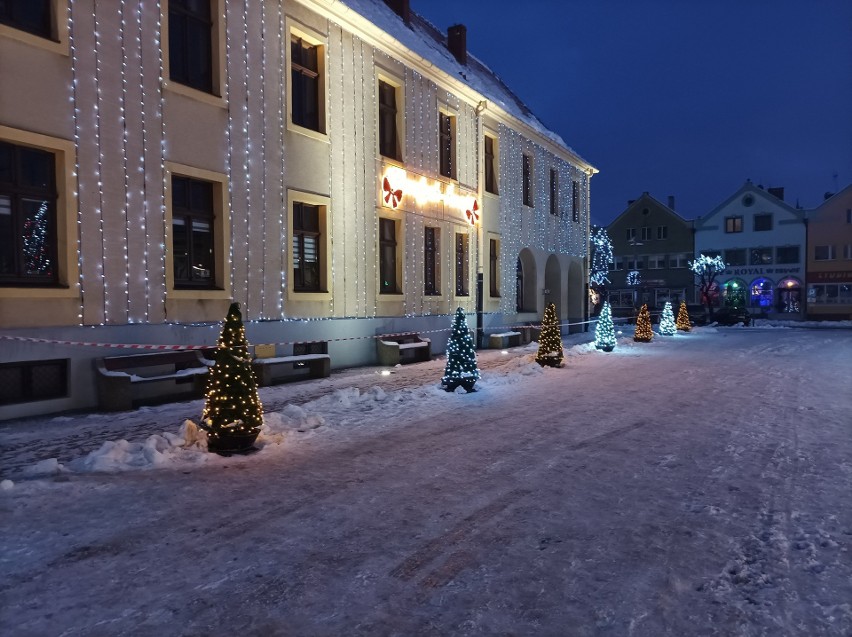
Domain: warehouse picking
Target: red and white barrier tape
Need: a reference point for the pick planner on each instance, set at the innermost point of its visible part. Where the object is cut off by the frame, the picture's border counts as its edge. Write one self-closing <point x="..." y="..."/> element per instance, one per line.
<point x="145" y="346"/>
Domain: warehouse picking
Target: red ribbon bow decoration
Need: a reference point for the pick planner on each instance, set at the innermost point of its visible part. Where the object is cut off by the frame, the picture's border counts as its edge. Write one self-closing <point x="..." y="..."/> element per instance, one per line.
<point x="473" y="214"/>
<point x="392" y="197"/>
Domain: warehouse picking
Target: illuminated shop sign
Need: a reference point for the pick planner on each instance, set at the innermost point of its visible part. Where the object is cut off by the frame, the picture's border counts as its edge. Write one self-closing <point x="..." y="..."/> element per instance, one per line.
<point x="398" y="185"/>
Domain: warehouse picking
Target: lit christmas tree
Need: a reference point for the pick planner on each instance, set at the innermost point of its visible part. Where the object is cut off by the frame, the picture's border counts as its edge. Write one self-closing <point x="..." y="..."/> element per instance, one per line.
<point x="643" y="332"/>
<point x="667" y="321"/>
<point x="601" y="249"/>
<point x="550" y="339"/>
<point x="36" y="242"/>
<point x="605" y="330"/>
<point x="461" y="369"/>
<point x="683" y="323"/>
<point x="232" y="413"/>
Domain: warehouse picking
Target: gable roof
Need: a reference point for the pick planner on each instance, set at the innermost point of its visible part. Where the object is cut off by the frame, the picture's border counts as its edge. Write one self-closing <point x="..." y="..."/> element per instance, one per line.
<point x="425" y="40"/>
<point x="827" y="202"/>
<point x="647" y="198"/>
<point x="748" y="186"/>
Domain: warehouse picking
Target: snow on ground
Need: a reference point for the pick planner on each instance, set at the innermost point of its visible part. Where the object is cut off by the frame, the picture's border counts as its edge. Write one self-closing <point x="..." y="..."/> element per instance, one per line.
<point x="695" y="485"/>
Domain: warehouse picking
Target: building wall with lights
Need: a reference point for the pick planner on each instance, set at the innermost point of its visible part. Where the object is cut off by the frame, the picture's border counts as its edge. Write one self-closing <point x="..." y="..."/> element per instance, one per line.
<point x="763" y="242"/>
<point x="651" y="238"/>
<point x="148" y="194"/>
<point x="829" y="279"/>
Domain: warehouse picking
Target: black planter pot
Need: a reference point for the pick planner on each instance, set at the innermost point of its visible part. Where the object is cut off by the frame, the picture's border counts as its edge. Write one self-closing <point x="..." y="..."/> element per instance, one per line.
<point x="228" y="443"/>
<point x="607" y="348"/>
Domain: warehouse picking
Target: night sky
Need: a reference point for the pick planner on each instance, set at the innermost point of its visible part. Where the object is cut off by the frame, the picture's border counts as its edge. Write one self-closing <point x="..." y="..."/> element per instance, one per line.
<point x="678" y="97"/>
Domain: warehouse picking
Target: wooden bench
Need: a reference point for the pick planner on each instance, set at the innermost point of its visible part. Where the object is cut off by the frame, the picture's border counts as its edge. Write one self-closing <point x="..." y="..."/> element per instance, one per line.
<point x="123" y="382"/>
<point x="278" y="369"/>
<point x="504" y="340"/>
<point x="408" y="348"/>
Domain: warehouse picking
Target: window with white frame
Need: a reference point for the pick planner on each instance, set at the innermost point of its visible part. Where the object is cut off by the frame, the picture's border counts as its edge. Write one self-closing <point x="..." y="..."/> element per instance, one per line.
<point x="824" y="253"/>
<point x="662" y="232"/>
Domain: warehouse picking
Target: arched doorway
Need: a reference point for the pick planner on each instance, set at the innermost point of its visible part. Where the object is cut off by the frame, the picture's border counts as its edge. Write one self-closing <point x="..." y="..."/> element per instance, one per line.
<point x="553" y="285"/>
<point x="761" y="294"/>
<point x="789" y="295"/>
<point x="525" y="283"/>
<point x="734" y="292"/>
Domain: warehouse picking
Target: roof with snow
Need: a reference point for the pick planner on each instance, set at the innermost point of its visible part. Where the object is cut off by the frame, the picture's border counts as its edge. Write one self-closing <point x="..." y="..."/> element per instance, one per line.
<point x="423" y="38"/>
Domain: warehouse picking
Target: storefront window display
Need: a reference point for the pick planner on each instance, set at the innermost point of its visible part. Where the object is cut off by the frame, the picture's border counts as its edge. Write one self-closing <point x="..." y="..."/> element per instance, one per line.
<point x="735" y="293"/>
<point x="790" y="295"/>
<point x="761" y="294"/>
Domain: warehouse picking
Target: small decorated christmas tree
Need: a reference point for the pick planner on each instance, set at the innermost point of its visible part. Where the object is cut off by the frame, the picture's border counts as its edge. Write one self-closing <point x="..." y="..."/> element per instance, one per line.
<point x="461" y="369"/>
<point x="667" y="321"/>
<point x="605" y="330"/>
<point x="643" y="332"/>
<point x="232" y="412"/>
<point x="550" y="340"/>
<point x="683" y="323"/>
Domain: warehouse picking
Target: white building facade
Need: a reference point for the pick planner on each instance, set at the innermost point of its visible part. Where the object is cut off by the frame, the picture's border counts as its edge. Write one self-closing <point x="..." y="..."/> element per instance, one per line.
<point x="340" y="168"/>
<point x="763" y="242"/>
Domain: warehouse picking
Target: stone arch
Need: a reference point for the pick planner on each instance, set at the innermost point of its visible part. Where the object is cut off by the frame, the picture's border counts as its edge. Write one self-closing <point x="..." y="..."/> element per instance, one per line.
<point x="576" y="296"/>
<point x="525" y="286"/>
<point x="553" y="286"/>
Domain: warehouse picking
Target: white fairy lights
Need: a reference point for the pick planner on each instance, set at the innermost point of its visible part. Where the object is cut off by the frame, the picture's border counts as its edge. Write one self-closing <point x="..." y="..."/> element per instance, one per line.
<point x="257" y="173"/>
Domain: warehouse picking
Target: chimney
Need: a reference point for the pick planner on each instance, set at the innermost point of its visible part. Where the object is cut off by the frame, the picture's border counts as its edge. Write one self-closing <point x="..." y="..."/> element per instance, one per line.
<point x="776" y="192"/>
<point x="457" y="42"/>
<point x="630" y="202"/>
<point x="671" y="202"/>
<point x="402" y="8"/>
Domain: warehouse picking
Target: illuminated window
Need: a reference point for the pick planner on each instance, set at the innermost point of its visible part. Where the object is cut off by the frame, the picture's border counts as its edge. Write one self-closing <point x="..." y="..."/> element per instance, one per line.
<point x="491" y="165"/>
<point x="761" y="293"/>
<point x="389" y="283"/>
<point x="305" y="83"/>
<point x="733" y="224"/>
<point x="447" y="145"/>
<point x="190" y="43"/>
<point x="735" y="293"/>
<point x="431" y="262"/>
<point x="306" y="248"/>
<point x="528" y="184"/>
<point x="388" y="135"/>
<point x="462" y="263"/>
<point x="192" y="233"/>
<point x="32" y="16"/>
<point x="28" y="233"/>
<point x="761" y="256"/>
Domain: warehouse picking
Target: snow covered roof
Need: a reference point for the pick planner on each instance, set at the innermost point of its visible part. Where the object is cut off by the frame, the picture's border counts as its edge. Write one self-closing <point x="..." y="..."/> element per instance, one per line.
<point x="425" y="40"/>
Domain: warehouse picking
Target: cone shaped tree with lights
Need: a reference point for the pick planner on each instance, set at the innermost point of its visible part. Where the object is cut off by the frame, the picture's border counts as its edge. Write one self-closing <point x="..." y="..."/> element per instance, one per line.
<point x="461" y="369"/>
<point x="643" y="333"/>
<point x="667" y="321"/>
<point x="232" y="412"/>
<point x="605" y="330"/>
<point x="550" y="339"/>
<point x="682" y="322"/>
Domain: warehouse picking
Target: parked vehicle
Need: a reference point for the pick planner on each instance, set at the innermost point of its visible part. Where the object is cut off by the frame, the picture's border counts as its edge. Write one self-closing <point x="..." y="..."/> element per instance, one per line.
<point x="732" y="316"/>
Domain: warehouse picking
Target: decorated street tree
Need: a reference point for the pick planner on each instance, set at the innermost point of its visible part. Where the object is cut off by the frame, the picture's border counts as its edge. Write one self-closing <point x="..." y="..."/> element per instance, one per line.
<point x="601" y="248"/>
<point x="233" y="414"/>
<point x="683" y="323"/>
<point x="667" y="321"/>
<point x="605" y="330"/>
<point x="461" y="369"/>
<point x="706" y="269"/>
<point x="643" y="332"/>
<point x="550" y="339"/>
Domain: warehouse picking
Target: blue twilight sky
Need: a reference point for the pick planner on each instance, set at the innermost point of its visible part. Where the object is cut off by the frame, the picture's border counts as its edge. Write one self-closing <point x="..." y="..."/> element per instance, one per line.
<point x="678" y="97"/>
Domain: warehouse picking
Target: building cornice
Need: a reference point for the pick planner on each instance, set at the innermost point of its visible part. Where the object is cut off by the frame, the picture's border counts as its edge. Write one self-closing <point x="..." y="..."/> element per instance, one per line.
<point x="357" y="24"/>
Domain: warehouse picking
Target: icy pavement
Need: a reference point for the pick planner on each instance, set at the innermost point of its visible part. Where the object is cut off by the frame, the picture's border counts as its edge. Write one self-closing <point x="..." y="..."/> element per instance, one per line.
<point x="696" y="485"/>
